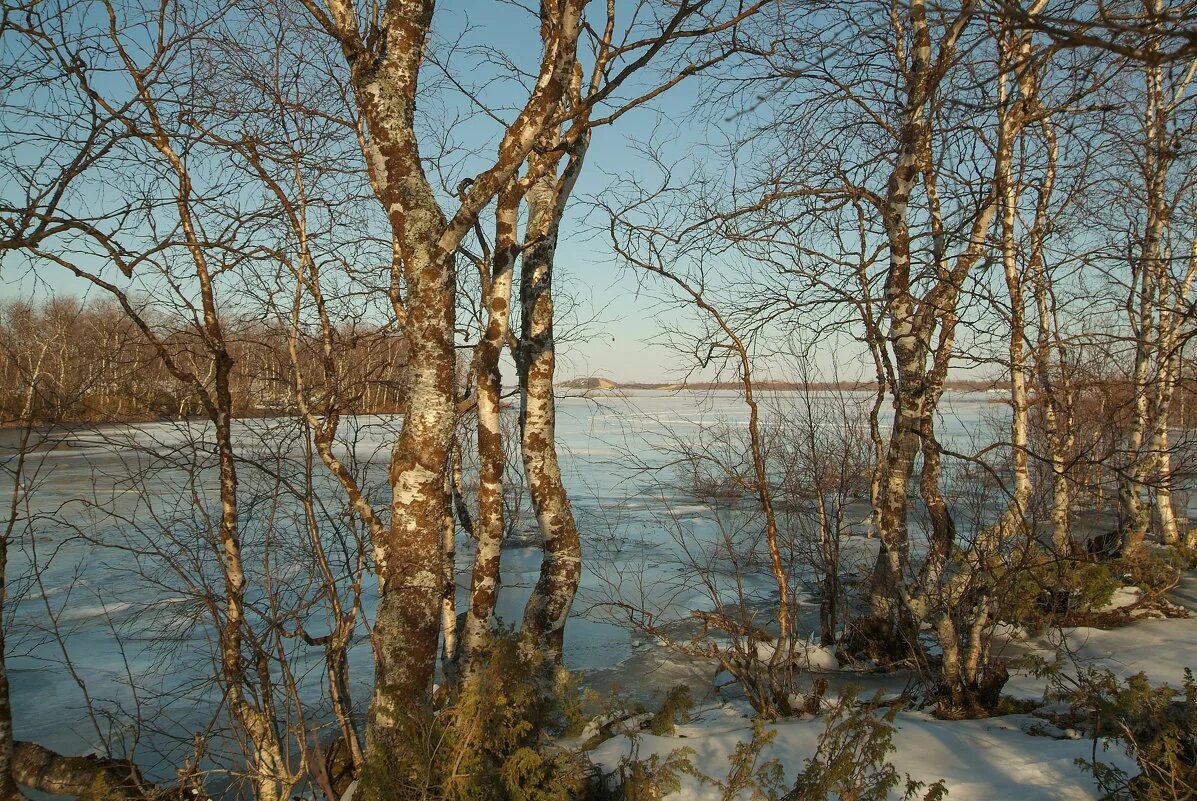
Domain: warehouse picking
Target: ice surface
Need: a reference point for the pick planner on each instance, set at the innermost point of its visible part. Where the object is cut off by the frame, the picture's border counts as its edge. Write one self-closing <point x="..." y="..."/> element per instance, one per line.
<point x="104" y="589"/>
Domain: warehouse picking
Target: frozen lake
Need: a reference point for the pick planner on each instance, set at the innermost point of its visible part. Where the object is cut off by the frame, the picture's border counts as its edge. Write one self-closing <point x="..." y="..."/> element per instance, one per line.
<point x="111" y="538"/>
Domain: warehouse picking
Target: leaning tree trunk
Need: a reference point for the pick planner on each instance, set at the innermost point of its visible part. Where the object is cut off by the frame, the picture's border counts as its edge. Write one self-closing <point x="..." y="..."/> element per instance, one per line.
<point x="85" y="776"/>
<point x="561" y="569"/>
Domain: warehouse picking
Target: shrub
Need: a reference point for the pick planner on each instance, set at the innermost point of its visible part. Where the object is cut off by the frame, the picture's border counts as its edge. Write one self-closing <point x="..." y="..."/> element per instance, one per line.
<point x="851" y="760"/>
<point x="1042" y="594"/>
<point x="675" y="709"/>
<point x="850" y="763"/>
<point x="1092" y="585"/>
<point x="487" y="743"/>
<point x="1156" y="726"/>
<point x="576" y="706"/>
<point x="1153" y="571"/>
<point x="653" y="778"/>
<point x="763" y="781"/>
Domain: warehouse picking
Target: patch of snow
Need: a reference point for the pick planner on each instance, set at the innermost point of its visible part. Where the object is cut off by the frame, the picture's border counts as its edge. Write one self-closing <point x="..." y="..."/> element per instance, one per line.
<point x="1043" y="728"/>
<point x="978" y="760"/>
<point x="1162" y="649"/>
<point x="1122" y="598"/>
<point x="806" y="654"/>
<point x="819" y="657"/>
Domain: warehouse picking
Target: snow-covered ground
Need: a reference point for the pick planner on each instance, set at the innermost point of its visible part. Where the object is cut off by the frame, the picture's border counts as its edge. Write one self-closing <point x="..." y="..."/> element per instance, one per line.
<point x="1008" y="758"/>
<point x="978" y="760"/>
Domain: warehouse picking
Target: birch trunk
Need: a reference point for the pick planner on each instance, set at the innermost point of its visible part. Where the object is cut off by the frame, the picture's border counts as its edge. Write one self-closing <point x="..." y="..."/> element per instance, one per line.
<point x="1133" y="512"/>
<point x="1015" y="58"/>
<point x="921" y="337"/>
<point x="1174" y="291"/>
<point x="491" y="526"/>
<point x="909" y="338"/>
<point x="1174" y="296"/>
<point x="408" y="556"/>
<point x="1014" y="519"/>
<point x="1054" y="400"/>
<point x="1141" y="310"/>
<point x="1169" y="365"/>
<point x="270" y="774"/>
<point x="561" y="568"/>
<point x="449" y="633"/>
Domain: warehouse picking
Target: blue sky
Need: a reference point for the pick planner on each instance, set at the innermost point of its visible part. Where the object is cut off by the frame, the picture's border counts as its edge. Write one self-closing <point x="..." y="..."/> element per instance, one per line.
<point x="620" y="342"/>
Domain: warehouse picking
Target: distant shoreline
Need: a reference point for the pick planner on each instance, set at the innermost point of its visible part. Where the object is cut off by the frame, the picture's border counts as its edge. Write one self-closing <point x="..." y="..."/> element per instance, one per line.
<point x="580" y="385"/>
<point x="593" y="383"/>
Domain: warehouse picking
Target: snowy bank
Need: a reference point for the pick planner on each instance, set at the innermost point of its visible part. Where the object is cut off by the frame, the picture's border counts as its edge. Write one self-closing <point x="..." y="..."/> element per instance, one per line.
<point x="979" y="760"/>
<point x="1014" y="757"/>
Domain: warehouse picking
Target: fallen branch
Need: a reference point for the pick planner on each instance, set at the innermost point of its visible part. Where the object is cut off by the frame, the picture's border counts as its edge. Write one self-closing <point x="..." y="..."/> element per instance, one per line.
<point x="39" y="768"/>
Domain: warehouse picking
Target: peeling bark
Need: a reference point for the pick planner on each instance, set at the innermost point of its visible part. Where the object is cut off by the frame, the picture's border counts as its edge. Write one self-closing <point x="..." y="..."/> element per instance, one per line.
<point x="1174" y="303"/>
<point x="922" y="338"/>
<point x="449" y="633"/>
<point x="1015" y="58"/>
<point x="1014" y="518"/>
<point x="909" y="344"/>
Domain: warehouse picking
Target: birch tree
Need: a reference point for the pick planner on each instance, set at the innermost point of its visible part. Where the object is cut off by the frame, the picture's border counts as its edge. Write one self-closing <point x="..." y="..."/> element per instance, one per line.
<point x="1157" y="289"/>
<point x="383" y="49"/>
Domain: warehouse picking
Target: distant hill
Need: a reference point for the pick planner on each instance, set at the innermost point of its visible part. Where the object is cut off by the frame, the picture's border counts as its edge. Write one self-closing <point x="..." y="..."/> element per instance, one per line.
<point x="592" y="382"/>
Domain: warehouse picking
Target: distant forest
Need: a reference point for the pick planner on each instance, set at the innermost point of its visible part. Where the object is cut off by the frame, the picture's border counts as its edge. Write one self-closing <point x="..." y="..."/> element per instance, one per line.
<point x="66" y="360"/>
